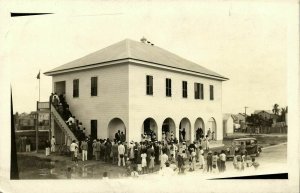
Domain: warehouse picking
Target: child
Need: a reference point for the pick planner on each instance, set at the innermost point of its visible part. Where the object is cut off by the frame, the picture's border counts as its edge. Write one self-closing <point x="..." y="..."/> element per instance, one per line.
<point x="128" y="167"/>
<point x="180" y="163"/>
<point x="134" y="173"/>
<point x="76" y="155"/>
<point x="209" y="161"/>
<point x="193" y="160"/>
<point x="144" y="162"/>
<point x="214" y="161"/>
<point x="151" y="163"/>
<point x="201" y="157"/>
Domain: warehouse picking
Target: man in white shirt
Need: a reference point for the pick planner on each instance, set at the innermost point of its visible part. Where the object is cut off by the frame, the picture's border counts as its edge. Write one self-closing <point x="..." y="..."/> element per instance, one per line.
<point x="72" y="149"/>
<point x="121" y="152"/>
<point x="53" y="143"/>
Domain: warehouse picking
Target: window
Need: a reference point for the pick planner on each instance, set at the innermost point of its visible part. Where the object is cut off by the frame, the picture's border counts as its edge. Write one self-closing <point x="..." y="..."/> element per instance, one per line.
<point x="184" y="89"/>
<point x="149" y="85"/>
<point x="211" y="92"/>
<point x="94" y="86"/>
<point x="197" y="90"/>
<point x="76" y="88"/>
<point x="199" y="94"/>
<point x="94" y="129"/>
<point x="168" y="87"/>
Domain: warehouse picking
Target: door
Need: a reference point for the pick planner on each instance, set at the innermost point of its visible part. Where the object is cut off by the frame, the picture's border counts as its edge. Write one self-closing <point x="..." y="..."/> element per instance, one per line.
<point x="94" y="129"/>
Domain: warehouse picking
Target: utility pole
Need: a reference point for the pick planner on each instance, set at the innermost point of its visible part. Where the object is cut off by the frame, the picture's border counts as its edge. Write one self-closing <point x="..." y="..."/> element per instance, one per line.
<point x="245" y="118"/>
<point x="245" y="111"/>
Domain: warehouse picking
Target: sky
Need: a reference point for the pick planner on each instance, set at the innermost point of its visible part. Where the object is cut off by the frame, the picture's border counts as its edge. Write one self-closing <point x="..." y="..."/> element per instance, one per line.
<point x="245" y="41"/>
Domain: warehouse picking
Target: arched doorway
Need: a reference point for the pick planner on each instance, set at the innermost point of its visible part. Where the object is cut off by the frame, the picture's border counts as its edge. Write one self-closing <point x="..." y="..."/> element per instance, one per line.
<point x="199" y="128"/>
<point x="116" y="125"/>
<point x="149" y="129"/>
<point x="185" y="130"/>
<point x="168" y="128"/>
<point x="212" y="126"/>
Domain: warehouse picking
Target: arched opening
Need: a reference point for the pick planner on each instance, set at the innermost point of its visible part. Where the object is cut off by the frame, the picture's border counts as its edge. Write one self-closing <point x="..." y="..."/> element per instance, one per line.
<point x="117" y="130"/>
<point x="168" y="129"/>
<point x="149" y="129"/>
<point x="199" y="128"/>
<point x="212" y="128"/>
<point x="185" y="130"/>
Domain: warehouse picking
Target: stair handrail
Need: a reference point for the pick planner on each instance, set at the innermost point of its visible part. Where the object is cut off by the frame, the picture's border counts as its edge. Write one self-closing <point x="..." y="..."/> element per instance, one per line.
<point x="63" y="124"/>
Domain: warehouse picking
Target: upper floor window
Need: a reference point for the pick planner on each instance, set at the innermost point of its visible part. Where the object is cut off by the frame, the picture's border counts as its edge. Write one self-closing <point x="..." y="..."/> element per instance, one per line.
<point x="149" y="85"/>
<point x="94" y="86"/>
<point x="211" y="92"/>
<point x="76" y="88"/>
<point x="184" y="89"/>
<point x="168" y="87"/>
<point x="199" y="94"/>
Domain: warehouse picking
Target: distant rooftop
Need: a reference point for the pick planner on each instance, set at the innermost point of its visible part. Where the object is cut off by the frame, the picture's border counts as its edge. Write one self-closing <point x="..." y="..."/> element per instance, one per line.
<point x="138" y="51"/>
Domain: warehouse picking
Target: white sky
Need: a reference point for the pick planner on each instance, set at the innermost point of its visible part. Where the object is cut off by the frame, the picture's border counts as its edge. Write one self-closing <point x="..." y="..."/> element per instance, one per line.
<point x="245" y="41"/>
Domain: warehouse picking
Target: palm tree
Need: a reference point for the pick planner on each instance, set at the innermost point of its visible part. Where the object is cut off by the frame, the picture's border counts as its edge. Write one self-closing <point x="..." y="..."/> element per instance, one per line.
<point x="283" y="112"/>
<point x="275" y="109"/>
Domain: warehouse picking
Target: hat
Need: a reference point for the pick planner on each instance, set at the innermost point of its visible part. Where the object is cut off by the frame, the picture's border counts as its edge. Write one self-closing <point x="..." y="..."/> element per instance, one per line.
<point x="183" y="142"/>
<point x="210" y="152"/>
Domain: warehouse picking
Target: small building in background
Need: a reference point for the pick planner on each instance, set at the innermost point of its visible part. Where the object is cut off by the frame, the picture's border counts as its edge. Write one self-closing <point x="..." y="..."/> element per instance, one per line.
<point x="228" y="125"/>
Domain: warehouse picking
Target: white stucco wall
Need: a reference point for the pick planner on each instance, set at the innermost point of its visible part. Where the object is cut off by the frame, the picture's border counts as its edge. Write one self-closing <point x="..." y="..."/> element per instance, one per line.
<point x="112" y="99"/>
<point x="159" y="107"/>
<point x="122" y="94"/>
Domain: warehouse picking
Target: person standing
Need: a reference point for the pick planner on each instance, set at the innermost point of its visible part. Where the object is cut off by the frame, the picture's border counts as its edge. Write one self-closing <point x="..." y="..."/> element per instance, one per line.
<point x="72" y="149"/>
<point x="108" y="153"/>
<point x="201" y="157"/>
<point x="208" y="133"/>
<point x="193" y="160"/>
<point x="144" y="161"/>
<point x="28" y="144"/>
<point x="164" y="158"/>
<point x="151" y="164"/>
<point x="209" y="161"/>
<point x="98" y="149"/>
<point x="223" y="160"/>
<point x="183" y="133"/>
<point x="47" y="145"/>
<point x="94" y="148"/>
<point x="117" y="136"/>
<point x="84" y="148"/>
<point x="121" y="152"/>
<point x="53" y="143"/>
<point x="215" y="161"/>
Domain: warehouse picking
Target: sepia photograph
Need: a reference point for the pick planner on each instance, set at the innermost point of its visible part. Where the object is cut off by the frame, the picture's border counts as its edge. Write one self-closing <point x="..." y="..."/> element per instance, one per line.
<point x="151" y="96"/>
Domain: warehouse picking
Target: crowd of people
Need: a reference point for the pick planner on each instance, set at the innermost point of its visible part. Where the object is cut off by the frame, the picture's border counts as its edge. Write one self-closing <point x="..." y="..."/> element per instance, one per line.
<point x="61" y="105"/>
<point x="148" y="155"/>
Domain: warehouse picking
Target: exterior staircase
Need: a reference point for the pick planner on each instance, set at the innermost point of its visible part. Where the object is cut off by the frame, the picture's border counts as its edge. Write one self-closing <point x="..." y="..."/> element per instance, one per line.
<point x="62" y="124"/>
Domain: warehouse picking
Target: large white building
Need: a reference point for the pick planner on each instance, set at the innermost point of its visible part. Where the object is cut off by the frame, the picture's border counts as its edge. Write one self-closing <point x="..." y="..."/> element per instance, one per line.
<point x="135" y="86"/>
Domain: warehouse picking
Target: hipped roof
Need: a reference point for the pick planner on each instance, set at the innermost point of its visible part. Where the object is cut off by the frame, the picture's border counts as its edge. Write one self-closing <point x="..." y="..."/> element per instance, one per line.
<point x="138" y="51"/>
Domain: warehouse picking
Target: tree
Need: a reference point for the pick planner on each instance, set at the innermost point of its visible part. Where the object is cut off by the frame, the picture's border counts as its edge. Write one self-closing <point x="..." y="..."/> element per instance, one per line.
<point x="275" y="109"/>
<point x="283" y="113"/>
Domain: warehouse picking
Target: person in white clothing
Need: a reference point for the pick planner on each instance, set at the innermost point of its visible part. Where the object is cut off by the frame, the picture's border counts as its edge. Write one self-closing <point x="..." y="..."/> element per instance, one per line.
<point x="121" y="152"/>
<point x="72" y="149"/>
<point x="167" y="170"/>
<point x="53" y="143"/>
<point x="164" y="158"/>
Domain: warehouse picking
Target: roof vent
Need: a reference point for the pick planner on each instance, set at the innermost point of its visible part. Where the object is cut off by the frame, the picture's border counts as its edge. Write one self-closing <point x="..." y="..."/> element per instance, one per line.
<point x="143" y="40"/>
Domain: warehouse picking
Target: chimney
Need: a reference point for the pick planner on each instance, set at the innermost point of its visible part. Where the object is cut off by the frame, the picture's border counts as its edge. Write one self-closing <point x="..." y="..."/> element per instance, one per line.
<point x="143" y="40"/>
